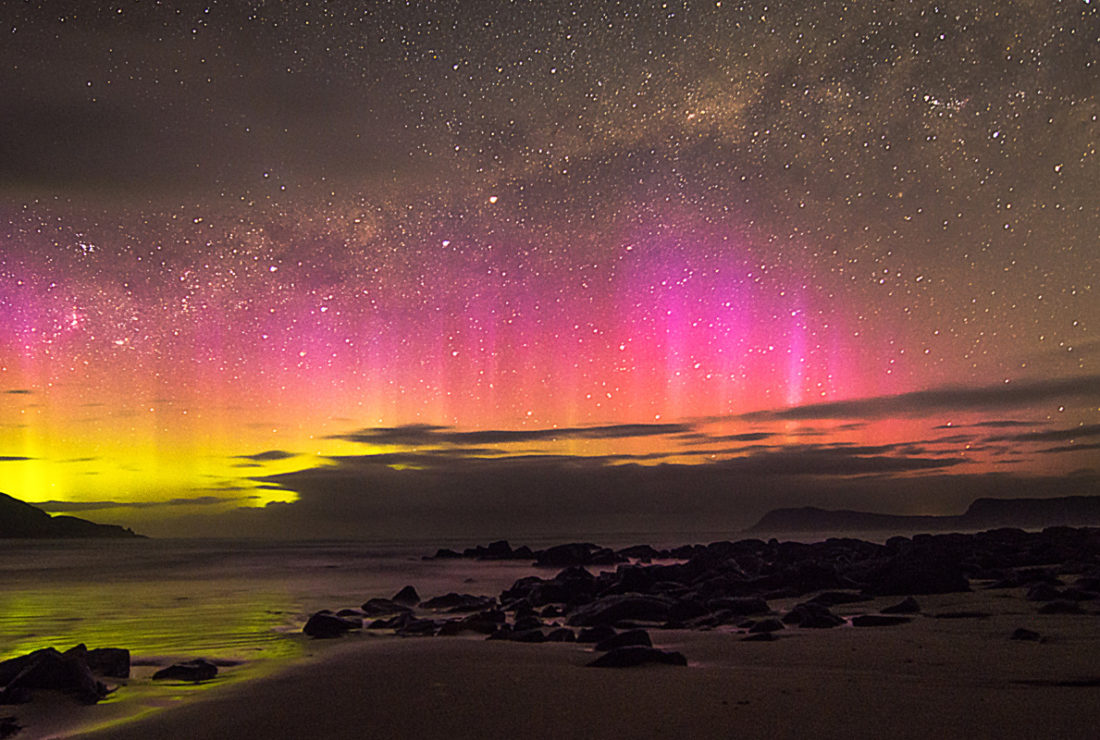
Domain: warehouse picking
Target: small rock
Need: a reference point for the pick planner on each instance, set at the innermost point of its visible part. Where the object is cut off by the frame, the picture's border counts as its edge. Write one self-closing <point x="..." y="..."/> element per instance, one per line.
<point x="624" y="639"/>
<point x="198" y="669"/>
<point x="1061" y="606"/>
<point x="1022" y="633"/>
<point x="766" y="625"/>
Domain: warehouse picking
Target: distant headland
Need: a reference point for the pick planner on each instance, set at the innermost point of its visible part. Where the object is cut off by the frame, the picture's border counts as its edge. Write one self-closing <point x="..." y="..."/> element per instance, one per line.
<point x="983" y="513"/>
<point x="20" y="520"/>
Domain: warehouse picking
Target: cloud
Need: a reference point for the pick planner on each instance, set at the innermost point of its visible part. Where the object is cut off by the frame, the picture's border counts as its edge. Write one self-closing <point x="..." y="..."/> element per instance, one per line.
<point x="70" y="506"/>
<point x="416" y="435"/>
<point x="996" y="424"/>
<point x="268" y="456"/>
<point x="1053" y="435"/>
<point x="938" y="400"/>
<point x="14" y="458"/>
<point x="19" y="392"/>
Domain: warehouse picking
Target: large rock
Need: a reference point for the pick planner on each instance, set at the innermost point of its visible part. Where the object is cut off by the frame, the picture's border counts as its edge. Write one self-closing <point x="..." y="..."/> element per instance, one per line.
<point x="812" y="616"/>
<point x="406" y="596"/>
<point x="459" y="602"/>
<point x="627" y="657"/>
<point x="621" y="607"/>
<point x="917" y="573"/>
<point x="198" y="669"/>
<point x="324" y="625"/>
<point x="50" y="669"/>
<point x="381" y="607"/>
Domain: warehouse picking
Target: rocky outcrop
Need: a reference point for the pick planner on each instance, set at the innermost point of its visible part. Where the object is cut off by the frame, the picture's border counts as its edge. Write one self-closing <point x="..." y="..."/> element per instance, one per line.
<point x="20" y="520"/>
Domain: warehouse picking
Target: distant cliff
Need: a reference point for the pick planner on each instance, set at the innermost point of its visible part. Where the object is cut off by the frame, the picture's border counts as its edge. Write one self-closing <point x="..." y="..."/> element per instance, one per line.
<point x="20" y="520"/>
<point x="983" y="513"/>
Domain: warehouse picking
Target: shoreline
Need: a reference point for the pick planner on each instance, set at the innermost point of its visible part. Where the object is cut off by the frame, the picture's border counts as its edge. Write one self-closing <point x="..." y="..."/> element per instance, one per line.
<point x="933" y="677"/>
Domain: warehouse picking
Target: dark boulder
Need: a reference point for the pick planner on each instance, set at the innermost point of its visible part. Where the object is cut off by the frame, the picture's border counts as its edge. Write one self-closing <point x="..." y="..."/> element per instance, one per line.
<point x="760" y="637"/>
<point x="596" y="634"/>
<point x="1022" y="633"/>
<point x="561" y="634"/>
<point x="917" y="573"/>
<point x="417" y="628"/>
<point x="459" y="602"/>
<point x="623" y="639"/>
<point x="634" y="655"/>
<point x="198" y="669"/>
<point x="529" y="635"/>
<point x="325" y="625"/>
<point x="381" y="607"/>
<point x="741" y="605"/>
<point x="50" y="669"/>
<point x="835" y="598"/>
<point x="109" y="662"/>
<point x="812" y="616"/>
<point x="406" y="596"/>
<point x="621" y="607"/>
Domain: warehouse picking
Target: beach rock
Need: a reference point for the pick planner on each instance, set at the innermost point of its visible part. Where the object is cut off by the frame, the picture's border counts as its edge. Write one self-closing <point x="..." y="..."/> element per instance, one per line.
<point x="912" y="573"/>
<point x="641" y="552"/>
<point x="621" y="607"/>
<point x="380" y="607"/>
<point x="326" y="625"/>
<point x="878" y="620"/>
<point x="743" y="606"/>
<point x="444" y="553"/>
<point x="908" y="605"/>
<point x="596" y="634"/>
<point x="417" y="628"/>
<point x="527" y="622"/>
<point x="1022" y="633"/>
<point x="198" y="669"/>
<point x="811" y="615"/>
<point x="406" y="597"/>
<point x="624" y="639"/>
<point x="109" y="662"/>
<point x="531" y="635"/>
<point x="50" y="669"/>
<point x="561" y="634"/>
<point x="458" y="602"/>
<point x="765" y="625"/>
<point x="634" y="655"/>
<point x="835" y="598"/>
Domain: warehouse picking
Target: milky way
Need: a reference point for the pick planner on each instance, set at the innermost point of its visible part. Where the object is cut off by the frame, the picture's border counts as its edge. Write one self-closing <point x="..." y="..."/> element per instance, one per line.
<point x="238" y="227"/>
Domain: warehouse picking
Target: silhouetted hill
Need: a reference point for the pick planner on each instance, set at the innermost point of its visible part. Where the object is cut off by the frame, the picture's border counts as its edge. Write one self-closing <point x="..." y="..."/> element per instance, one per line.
<point x="983" y="513"/>
<point x="19" y="519"/>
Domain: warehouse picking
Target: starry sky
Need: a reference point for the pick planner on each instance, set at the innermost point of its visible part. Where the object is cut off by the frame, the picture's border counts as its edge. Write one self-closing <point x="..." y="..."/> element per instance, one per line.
<point x="357" y="266"/>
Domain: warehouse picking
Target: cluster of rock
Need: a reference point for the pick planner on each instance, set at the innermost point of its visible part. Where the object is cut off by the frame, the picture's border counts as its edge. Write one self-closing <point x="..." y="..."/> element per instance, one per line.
<point x="730" y="584"/>
<point x="77" y="671"/>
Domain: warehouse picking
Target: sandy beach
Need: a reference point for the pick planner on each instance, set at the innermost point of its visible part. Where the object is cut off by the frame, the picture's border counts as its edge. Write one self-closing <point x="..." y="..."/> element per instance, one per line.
<point x="933" y="677"/>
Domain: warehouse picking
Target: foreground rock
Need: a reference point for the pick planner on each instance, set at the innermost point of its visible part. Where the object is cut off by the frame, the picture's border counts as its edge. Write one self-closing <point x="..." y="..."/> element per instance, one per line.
<point x="198" y="669"/>
<point x="326" y="625"/>
<point x="627" y="657"/>
<point x="74" y="672"/>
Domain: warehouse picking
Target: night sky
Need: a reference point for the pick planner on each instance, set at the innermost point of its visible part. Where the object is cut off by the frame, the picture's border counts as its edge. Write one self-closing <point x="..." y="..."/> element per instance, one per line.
<point x="543" y="266"/>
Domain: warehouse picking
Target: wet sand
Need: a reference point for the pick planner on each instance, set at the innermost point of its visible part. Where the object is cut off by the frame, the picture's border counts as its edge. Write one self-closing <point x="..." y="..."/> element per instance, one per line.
<point x="933" y="677"/>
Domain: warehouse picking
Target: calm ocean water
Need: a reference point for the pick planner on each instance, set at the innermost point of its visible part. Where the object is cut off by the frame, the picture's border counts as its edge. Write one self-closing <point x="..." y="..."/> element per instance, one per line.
<point x="229" y="600"/>
<point x="238" y="601"/>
